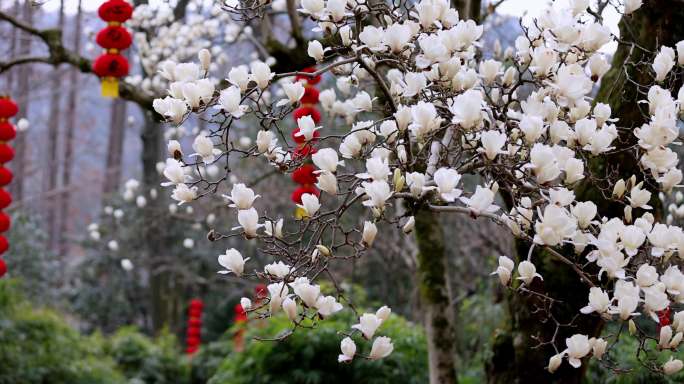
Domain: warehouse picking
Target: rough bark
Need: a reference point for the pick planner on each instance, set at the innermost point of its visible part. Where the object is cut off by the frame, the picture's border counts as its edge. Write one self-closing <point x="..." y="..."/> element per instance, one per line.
<point x="658" y="22"/>
<point x="117" y="127"/>
<point x="52" y="142"/>
<point x="72" y="100"/>
<point x="434" y="294"/>
<point x="23" y="96"/>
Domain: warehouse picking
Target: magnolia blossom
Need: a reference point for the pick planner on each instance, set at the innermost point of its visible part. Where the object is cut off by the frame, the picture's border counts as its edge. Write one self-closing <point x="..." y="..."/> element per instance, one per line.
<point x="184" y="194"/>
<point x="307" y="128"/>
<point x="527" y="272"/>
<point x="370" y="230"/>
<point x="378" y="192"/>
<point x="245" y="303"/>
<point x="446" y="180"/>
<point x="232" y="261"/>
<point x="326" y="159"/>
<point x="261" y="74"/>
<point x="578" y="347"/>
<point x="315" y="50"/>
<point x="504" y="270"/>
<point x="229" y="101"/>
<point x="241" y="197"/>
<point x="290" y="308"/>
<point x="481" y="201"/>
<point x="672" y="366"/>
<point x="492" y="142"/>
<point x="382" y="347"/>
<point x="249" y="222"/>
<point x="293" y="91"/>
<point x="204" y="148"/>
<point x="599" y="301"/>
<point x="327" y="305"/>
<point x="348" y="349"/>
<point x="309" y="204"/>
<point x="173" y="170"/>
<point x="368" y="324"/>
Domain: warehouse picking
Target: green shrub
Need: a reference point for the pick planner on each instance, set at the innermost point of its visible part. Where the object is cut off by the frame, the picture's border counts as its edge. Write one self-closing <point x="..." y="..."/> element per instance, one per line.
<point x="38" y="346"/>
<point x="309" y="356"/>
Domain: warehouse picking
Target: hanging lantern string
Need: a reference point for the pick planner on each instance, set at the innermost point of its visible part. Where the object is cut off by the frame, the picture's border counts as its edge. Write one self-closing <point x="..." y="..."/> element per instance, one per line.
<point x="112" y="65"/>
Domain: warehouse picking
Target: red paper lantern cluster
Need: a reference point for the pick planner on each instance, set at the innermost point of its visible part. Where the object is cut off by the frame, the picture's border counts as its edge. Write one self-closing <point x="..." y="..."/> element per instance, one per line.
<point x="8" y="109"/>
<point x="112" y="65"/>
<point x="304" y="175"/>
<point x="193" y="336"/>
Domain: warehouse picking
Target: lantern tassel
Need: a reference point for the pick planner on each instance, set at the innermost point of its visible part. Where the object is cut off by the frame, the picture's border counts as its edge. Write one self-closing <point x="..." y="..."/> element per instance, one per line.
<point x="110" y="87"/>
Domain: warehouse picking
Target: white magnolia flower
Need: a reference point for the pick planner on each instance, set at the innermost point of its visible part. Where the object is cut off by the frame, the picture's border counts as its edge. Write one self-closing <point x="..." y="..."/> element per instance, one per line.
<point x="241" y="196"/>
<point x="278" y="292"/>
<point x="368" y="324"/>
<point x="382" y="347"/>
<point x="308" y="293"/>
<point x="274" y="229"/>
<point x="239" y="77"/>
<point x="327" y="182"/>
<point x="383" y="313"/>
<point x="245" y="303"/>
<point x="492" y="142"/>
<point x="249" y="222"/>
<point x="632" y="5"/>
<point x="290" y="308"/>
<point x="204" y="148"/>
<point x="261" y="74"/>
<point x="481" y="201"/>
<point x="327" y="305"/>
<point x="348" y="349"/>
<point x="173" y="171"/>
<point x="307" y="128"/>
<point x="378" y="193"/>
<point x="277" y="269"/>
<point x="663" y="62"/>
<point x="578" y="347"/>
<point x="313" y="7"/>
<point x="446" y="180"/>
<point x="409" y="225"/>
<point x="504" y="270"/>
<point x="232" y="261"/>
<point x="599" y="301"/>
<point x="315" y="50"/>
<point x="310" y="204"/>
<point x="527" y="272"/>
<point x="229" y="101"/>
<point x="370" y="230"/>
<point x="184" y="194"/>
<point x="326" y="159"/>
<point x="113" y="245"/>
<point x="555" y="362"/>
<point x="672" y="366"/>
<point x="467" y="109"/>
<point x="293" y="91"/>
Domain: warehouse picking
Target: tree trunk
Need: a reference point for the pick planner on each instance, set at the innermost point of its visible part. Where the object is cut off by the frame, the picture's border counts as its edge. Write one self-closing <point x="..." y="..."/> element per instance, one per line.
<point x="72" y="99"/>
<point x="117" y="127"/>
<point x="166" y="298"/>
<point x="23" y="95"/>
<point x="51" y="162"/>
<point x="514" y="360"/>
<point x="435" y="301"/>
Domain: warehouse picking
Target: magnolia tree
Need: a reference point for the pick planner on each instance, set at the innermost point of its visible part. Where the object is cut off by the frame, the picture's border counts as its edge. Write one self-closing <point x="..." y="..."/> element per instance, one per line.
<point x="523" y="122"/>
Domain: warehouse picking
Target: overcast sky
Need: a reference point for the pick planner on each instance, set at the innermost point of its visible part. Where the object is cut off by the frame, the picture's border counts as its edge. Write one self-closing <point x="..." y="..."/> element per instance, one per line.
<point x="508" y="7"/>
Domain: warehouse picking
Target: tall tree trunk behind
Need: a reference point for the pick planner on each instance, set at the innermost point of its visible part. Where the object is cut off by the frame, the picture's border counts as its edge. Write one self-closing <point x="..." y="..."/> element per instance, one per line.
<point x="166" y="298"/>
<point x="514" y="360"/>
<point x="23" y="94"/>
<point x="117" y="126"/>
<point x="435" y="301"/>
<point x="51" y="163"/>
<point x="72" y="100"/>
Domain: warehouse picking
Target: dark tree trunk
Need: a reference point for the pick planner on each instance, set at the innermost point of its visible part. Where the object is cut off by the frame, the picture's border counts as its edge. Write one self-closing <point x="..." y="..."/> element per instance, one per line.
<point x="514" y="360"/>
<point x="166" y="298"/>
<point x="72" y="100"/>
<point x="117" y="127"/>
<point x="52" y="143"/>
<point x="434" y="295"/>
<point x="23" y="96"/>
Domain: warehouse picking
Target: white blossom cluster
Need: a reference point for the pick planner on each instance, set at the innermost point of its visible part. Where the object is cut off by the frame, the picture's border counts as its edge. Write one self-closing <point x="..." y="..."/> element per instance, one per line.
<point x="525" y="123"/>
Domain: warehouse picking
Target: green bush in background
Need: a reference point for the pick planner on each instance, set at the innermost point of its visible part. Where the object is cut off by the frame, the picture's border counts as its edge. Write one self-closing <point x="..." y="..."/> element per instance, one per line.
<point x="309" y="356"/>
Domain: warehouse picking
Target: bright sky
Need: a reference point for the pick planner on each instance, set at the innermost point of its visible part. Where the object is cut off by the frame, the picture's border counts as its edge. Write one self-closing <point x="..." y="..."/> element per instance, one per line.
<point x="509" y="7"/>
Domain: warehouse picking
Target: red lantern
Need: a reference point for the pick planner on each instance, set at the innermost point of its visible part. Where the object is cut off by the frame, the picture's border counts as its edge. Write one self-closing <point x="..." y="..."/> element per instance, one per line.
<point x="6" y="153"/>
<point x="5" y="176"/>
<point x="310" y="96"/>
<point x="3" y="268"/>
<point x="5" y="199"/>
<point x="307" y="111"/>
<point x="310" y="80"/>
<point x="8" y="108"/>
<point x="303" y="152"/>
<point x="110" y="65"/>
<point x="114" y="37"/>
<point x="4" y="222"/>
<point x="7" y="131"/>
<point x="193" y="332"/>
<point x="4" y="244"/>
<point x="196" y="303"/>
<point x="297" y="194"/>
<point x="115" y="11"/>
<point x="305" y="175"/>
